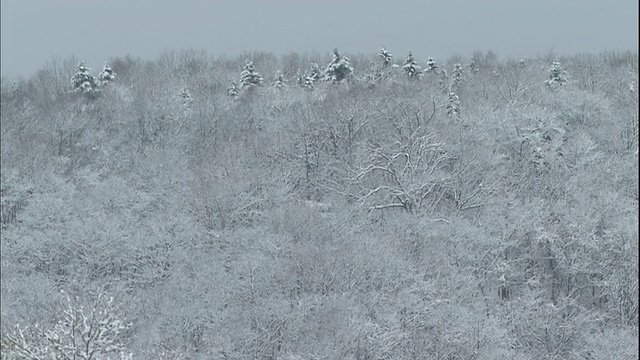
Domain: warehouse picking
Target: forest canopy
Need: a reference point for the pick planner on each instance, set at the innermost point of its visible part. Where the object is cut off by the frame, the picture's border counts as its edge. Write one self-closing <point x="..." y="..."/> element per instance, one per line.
<point x="334" y="206"/>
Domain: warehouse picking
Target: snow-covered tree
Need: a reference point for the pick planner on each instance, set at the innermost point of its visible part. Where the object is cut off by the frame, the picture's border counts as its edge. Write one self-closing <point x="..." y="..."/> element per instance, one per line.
<point x="453" y="104"/>
<point x="457" y="77"/>
<point x="522" y="63"/>
<point x="557" y="75"/>
<point x="185" y="97"/>
<point x="249" y="77"/>
<point x="279" y="81"/>
<point x="375" y="75"/>
<point x="233" y="90"/>
<point x="83" y="81"/>
<point x="315" y="73"/>
<point x="107" y="74"/>
<point x="387" y="57"/>
<point x="308" y="83"/>
<point x="432" y="66"/>
<point x="472" y="67"/>
<point x="411" y="67"/>
<point x="308" y="79"/>
<point x="80" y="333"/>
<point x="339" y="68"/>
<point x="380" y="69"/>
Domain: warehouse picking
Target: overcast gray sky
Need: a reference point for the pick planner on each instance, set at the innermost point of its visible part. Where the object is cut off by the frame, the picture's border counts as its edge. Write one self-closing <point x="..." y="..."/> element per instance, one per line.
<point x="35" y="31"/>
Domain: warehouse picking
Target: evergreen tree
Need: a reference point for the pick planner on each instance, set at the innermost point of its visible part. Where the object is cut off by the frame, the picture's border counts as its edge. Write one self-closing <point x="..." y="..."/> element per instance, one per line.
<point x="557" y="75"/>
<point x="339" y="68"/>
<point x="432" y="66"/>
<point x="380" y="69"/>
<point x="233" y="90"/>
<point x="315" y="74"/>
<point x="308" y="83"/>
<point x="411" y="67"/>
<point x="457" y="78"/>
<point x="453" y="104"/>
<point x="83" y="81"/>
<point x="279" y="82"/>
<point x="249" y="77"/>
<point x="387" y="57"/>
<point x="308" y="79"/>
<point x="107" y="74"/>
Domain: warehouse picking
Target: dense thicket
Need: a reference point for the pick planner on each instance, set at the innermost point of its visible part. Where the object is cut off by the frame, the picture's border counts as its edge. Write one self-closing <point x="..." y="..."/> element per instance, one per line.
<point x="492" y="214"/>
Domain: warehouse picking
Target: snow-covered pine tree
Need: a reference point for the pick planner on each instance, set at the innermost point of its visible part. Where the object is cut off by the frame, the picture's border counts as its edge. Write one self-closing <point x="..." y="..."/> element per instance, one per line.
<point x="557" y="75"/>
<point x="279" y="81"/>
<point x="380" y="69"/>
<point x="308" y="79"/>
<point x="339" y="68"/>
<point x="249" y="77"/>
<point x="457" y="78"/>
<point x="453" y="104"/>
<point x="387" y="64"/>
<point x="185" y="97"/>
<point x="233" y="90"/>
<point x="308" y="82"/>
<point x="387" y="57"/>
<point x="315" y="74"/>
<point x="411" y="67"/>
<point x="432" y="66"/>
<point x="83" y="81"/>
<point x="107" y="74"/>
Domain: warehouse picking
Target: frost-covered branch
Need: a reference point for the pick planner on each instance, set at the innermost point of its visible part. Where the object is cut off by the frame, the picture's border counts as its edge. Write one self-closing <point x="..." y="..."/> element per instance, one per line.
<point x="77" y="335"/>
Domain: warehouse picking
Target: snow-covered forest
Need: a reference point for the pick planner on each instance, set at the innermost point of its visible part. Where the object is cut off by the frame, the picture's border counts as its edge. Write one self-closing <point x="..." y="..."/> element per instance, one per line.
<point x="321" y="206"/>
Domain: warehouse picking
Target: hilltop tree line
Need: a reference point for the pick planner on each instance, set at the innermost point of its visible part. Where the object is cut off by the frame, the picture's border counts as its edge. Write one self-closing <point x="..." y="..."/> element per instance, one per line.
<point x="337" y="71"/>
